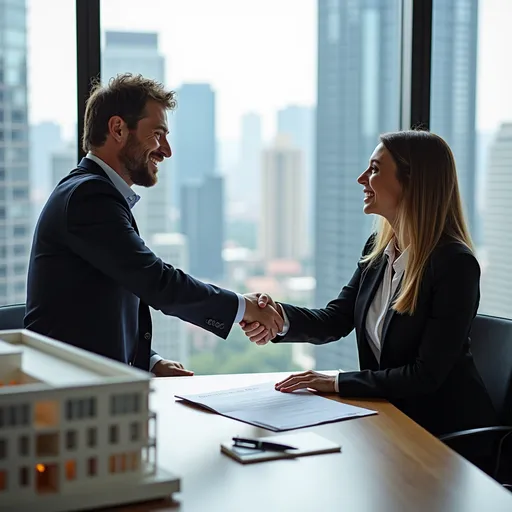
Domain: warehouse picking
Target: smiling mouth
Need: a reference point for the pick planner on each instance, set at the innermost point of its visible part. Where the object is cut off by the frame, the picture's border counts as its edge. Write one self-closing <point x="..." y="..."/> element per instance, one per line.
<point x="368" y="196"/>
<point x="155" y="160"/>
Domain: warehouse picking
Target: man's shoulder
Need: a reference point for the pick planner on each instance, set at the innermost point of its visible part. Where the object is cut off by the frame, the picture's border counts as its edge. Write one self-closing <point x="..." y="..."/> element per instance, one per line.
<point x="79" y="184"/>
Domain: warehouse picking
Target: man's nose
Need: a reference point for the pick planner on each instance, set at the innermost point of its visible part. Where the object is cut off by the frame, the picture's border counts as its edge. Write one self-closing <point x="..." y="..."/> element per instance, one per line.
<point x="166" y="148"/>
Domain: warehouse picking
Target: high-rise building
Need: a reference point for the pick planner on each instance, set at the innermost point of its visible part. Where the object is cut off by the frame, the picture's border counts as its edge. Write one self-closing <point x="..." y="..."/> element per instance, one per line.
<point x="245" y="183"/>
<point x="137" y="52"/>
<point x="170" y="338"/>
<point x="283" y="216"/>
<point x="194" y="138"/>
<point x="202" y="221"/>
<point x="453" y="91"/>
<point x="62" y="162"/>
<point x="15" y="207"/>
<point x="497" y="237"/>
<point x="298" y="123"/>
<point x="201" y="189"/>
<point x="357" y="98"/>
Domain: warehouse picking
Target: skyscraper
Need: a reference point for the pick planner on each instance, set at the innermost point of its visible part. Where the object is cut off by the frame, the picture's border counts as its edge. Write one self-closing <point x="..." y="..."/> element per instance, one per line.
<point x="137" y="52"/>
<point x="282" y="215"/>
<point x="62" y="162"/>
<point x="201" y="189"/>
<point x="298" y="123"/>
<point x="497" y="238"/>
<point x="194" y="139"/>
<point x="202" y="221"/>
<point x="246" y="182"/>
<point x="15" y="206"/>
<point x="453" y="90"/>
<point x="358" y="97"/>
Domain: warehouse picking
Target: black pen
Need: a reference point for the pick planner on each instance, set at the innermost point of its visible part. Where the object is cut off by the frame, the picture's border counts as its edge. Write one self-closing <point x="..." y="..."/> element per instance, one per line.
<point x="242" y="442"/>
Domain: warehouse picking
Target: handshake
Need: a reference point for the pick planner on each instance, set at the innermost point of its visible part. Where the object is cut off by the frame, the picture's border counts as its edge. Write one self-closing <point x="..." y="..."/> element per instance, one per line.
<point x="263" y="319"/>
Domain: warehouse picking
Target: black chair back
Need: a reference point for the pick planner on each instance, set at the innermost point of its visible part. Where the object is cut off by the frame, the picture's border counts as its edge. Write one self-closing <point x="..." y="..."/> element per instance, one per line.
<point x="491" y="345"/>
<point x="11" y="316"/>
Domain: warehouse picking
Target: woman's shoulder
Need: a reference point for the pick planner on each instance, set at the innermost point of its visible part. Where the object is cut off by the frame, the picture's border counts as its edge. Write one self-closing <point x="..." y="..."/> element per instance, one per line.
<point x="453" y="254"/>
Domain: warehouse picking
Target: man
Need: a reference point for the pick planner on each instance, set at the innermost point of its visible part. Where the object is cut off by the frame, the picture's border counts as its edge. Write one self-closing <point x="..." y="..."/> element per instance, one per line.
<point x="91" y="278"/>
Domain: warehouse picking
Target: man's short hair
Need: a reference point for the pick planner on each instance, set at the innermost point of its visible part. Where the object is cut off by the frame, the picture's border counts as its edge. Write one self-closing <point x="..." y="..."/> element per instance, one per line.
<point x="126" y="96"/>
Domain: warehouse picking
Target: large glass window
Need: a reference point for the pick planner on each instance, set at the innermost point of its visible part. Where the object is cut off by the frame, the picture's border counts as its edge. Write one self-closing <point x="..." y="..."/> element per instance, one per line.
<point x="471" y="107"/>
<point x="248" y="201"/>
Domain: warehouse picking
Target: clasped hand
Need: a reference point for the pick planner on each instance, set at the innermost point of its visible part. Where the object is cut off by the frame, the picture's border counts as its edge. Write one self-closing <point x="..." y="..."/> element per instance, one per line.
<point x="258" y="326"/>
<point x="261" y="317"/>
<point x="259" y="333"/>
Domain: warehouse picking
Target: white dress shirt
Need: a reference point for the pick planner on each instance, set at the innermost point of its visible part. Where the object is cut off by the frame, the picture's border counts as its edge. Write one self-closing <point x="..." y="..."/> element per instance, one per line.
<point x="381" y="302"/>
<point x="132" y="198"/>
<point x="383" y="297"/>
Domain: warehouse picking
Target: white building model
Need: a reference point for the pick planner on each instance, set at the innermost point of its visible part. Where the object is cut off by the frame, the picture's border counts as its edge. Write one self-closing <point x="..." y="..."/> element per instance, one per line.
<point x="76" y="432"/>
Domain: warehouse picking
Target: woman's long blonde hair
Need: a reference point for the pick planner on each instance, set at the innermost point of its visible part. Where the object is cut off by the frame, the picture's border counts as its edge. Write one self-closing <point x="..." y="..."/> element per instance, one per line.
<point x="430" y="207"/>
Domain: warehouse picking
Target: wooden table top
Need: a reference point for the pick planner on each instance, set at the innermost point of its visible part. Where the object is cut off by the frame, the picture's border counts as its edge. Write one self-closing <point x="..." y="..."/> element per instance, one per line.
<point x="387" y="463"/>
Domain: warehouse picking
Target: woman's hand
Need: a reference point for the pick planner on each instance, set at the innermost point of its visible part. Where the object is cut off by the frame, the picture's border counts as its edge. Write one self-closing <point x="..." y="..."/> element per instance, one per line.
<point x="310" y="379"/>
<point x="256" y="332"/>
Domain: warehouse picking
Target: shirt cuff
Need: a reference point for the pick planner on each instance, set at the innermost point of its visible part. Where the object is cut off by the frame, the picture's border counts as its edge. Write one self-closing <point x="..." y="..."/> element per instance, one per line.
<point x="286" y="325"/>
<point x="153" y="360"/>
<point x="337" y="383"/>
<point x="241" y="309"/>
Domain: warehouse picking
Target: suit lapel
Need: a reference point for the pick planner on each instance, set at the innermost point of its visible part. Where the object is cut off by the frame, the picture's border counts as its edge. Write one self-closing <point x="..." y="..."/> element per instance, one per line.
<point x="389" y="316"/>
<point x="372" y="278"/>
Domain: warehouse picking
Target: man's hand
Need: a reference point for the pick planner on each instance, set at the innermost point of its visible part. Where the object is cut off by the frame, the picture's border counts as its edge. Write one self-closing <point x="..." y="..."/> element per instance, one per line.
<point x="256" y="332"/>
<point x="261" y="317"/>
<point x="309" y="379"/>
<point x="165" y="368"/>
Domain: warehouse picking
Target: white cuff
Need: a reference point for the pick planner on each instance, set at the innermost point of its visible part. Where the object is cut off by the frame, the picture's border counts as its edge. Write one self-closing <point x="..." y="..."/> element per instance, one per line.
<point x="154" y="359"/>
<point x="337" y="384"/>
<point x="286" y="326"/>
<point x="241" y="309"/>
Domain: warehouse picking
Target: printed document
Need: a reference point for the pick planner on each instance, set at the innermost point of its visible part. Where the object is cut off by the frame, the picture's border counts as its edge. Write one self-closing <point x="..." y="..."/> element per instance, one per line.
<point x="263" y="406"/>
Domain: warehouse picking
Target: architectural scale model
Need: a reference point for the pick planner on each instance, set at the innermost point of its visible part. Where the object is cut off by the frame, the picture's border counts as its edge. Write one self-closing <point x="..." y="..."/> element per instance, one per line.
<point x="76" y="432"/>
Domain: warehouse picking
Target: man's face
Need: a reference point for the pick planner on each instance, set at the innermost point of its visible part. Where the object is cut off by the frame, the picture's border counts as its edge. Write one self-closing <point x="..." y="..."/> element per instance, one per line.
<point x="146" y="146"/>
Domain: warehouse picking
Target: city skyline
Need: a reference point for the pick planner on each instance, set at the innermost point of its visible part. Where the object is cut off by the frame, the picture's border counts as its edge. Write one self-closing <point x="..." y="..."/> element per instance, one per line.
<point x="258" y="82"/>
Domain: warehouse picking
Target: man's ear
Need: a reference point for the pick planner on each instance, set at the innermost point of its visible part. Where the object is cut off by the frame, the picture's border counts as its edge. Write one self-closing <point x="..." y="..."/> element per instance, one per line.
<point x="117" y="129"/>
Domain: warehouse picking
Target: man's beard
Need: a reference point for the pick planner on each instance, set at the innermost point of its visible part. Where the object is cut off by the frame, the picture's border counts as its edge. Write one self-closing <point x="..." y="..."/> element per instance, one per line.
<point x="136" y="163"/>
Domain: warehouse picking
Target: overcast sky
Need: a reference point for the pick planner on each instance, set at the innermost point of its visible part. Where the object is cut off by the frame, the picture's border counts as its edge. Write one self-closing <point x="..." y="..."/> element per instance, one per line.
<point x="259" y="55"/>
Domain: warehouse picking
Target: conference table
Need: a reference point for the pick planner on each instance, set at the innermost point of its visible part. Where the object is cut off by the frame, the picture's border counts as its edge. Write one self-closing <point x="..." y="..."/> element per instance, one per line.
<point x="387" y="462"/>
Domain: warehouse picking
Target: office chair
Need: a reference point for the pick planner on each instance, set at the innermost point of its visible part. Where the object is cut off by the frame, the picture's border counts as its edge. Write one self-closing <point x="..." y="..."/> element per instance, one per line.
<point x="11" y="316"/>
<point x="491" y="345"/>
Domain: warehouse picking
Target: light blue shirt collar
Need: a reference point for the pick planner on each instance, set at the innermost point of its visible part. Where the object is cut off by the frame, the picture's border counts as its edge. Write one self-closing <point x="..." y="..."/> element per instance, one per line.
<point x="121" y="185"/>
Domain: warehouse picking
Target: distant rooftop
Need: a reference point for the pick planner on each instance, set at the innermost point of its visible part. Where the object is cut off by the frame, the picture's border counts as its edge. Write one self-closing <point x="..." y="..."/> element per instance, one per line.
<point x="143" y="39"/>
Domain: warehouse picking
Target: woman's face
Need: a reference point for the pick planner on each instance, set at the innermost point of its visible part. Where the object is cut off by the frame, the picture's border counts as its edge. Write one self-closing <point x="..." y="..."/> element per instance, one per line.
<point x="382" y="190"/>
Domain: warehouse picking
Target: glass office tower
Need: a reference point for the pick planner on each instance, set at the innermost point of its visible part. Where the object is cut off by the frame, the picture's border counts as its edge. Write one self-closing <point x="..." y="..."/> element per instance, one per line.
<point x="15" y="208"/>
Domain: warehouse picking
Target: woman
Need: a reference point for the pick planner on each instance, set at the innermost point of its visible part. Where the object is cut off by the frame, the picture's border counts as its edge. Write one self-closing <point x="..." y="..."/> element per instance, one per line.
<point x="412" y="297"/>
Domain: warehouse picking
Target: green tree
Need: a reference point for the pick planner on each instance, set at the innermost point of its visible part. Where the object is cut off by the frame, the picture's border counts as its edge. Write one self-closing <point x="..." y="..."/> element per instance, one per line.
<point x="237" y="354"/>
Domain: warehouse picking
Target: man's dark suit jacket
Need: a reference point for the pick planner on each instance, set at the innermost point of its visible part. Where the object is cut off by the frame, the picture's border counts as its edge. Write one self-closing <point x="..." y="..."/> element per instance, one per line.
<point x="426" y="368"/>
<point x="91" y="278"/>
